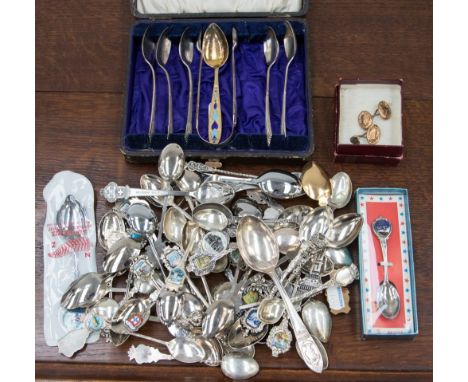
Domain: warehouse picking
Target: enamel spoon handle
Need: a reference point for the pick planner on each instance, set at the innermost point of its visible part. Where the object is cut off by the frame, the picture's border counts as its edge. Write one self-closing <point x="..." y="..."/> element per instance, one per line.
<point x="215" y="123"/>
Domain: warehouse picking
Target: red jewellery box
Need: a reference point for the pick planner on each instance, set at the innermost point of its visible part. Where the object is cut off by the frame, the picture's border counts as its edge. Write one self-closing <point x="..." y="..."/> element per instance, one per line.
<point x="354" y="97"/>
<point x="386" y="224"/>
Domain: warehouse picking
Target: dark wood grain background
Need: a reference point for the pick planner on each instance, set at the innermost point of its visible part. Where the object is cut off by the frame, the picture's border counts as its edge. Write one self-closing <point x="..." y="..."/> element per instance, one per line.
<point x="81" y="58"/>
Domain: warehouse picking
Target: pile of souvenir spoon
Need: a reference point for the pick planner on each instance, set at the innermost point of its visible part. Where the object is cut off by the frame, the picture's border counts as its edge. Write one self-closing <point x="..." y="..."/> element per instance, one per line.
<point x="275" y="260"/>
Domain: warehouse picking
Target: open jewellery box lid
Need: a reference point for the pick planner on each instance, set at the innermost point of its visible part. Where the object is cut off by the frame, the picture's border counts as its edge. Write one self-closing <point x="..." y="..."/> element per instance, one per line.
<point x="163" y="9"/>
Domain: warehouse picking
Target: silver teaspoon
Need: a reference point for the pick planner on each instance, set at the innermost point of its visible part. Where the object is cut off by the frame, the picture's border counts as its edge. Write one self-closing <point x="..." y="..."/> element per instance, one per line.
<point x="208" y="192"/>
<point x="186" y="48"/>
<point x="259" y="249"/>
<point x="163" y="49"/>
<point x="148" y="48"/>
<point x="200" y="65"/>
<point x="234" y="90"/>
<point x="388" y="298"/>
<point x="271" y="51"/>
<point x="290" y="48"/>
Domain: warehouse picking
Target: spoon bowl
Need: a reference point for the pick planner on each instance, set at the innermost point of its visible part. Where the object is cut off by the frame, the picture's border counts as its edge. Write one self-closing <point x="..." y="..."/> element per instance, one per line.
<point x="70" y="217"/>
<point x="344" y="230"/>
<point x="318" y="320"/>
<point x="317" y="222"/>
<point x="111" y="229"/>
<point x="342" y="190"/>
<point x="239" y="339"/>
<point x="174" y="222"/>
<point x="279" y="184"/>
<point x="169" y="307"/>
<point x="186" y="350"/>
<point x="219" y="316"/>
<point x="288" y="239"/>
<point x="212" y="216"/>
<point x="315" y="183"/>
<point x="141" y="219"/>
<point x="246" y="207"/>
<point x="105" y="308"/>
<point x="294" y="214"/>
<point x="238" y="366"/>
<point x="120" y="255"/>
<point x="189" y="181"/>
<point x="257" y="245"/>
<point x="171" y="163"/>
<point x="388" y="300"/>
<point x="87" y="290"/>
<point x="270" y="310"/>
<point x="131" y="315"/>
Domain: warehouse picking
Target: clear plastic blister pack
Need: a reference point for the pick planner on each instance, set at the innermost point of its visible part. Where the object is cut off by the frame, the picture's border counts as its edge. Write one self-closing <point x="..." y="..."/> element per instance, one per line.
<point x="69" y="240"/>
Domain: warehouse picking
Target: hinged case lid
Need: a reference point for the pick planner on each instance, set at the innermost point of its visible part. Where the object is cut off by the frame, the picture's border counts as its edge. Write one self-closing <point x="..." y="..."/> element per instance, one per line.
<point x="160" y="9"/>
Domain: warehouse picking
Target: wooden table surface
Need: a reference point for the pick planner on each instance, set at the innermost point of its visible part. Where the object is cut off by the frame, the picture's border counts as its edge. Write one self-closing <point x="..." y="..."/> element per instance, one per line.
<point x="81" y="58"/>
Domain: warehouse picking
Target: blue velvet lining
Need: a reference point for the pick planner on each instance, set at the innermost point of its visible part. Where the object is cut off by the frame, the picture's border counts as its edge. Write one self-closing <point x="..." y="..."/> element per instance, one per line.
<point x="251" y="83"/>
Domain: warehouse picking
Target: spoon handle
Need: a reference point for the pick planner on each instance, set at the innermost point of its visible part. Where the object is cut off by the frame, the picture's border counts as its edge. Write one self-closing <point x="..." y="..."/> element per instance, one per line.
<point x="197" y="110"/>
<point x="169" y="103"/>
<point x="152" y="242"/>
<point x="203" y="168"/>
<point x="268" y="130"/>
<point x="234" y="90"/>
<point x="195" y="290"/>
<point x="188" y="126"/>
<point x="283" y="111"/>
<point x="151" y="339"/>
<point x="153" y="105"/>
<point x="113" y="192"/>
<point x="306" y="347"/>
<point x="215" y="123"/>
<point x="383" y="246"/>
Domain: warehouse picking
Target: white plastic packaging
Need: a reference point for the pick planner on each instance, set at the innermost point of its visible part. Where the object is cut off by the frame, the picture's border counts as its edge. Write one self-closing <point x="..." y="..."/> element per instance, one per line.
<point x="69" y="252"/>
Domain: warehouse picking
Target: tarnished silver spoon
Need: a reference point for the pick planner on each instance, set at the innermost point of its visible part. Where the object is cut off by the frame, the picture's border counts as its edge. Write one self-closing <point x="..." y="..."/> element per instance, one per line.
<point x="290" y="48"/>
<point x="271" y="52"/>
<point x="186" y="49"/>
<point x="163" y="49"/>
<point x="148" y="48"/>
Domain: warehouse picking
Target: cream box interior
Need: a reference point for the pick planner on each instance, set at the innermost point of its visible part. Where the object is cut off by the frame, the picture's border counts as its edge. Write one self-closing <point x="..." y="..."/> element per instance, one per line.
<point x="355" y="98"/>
